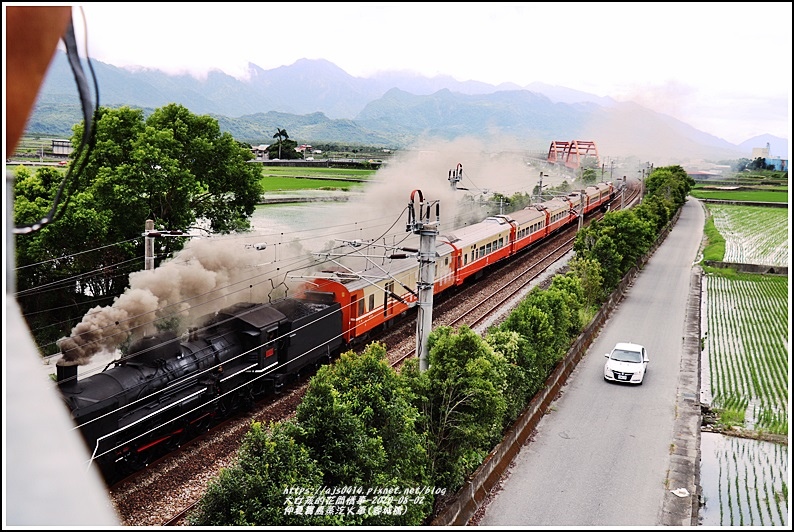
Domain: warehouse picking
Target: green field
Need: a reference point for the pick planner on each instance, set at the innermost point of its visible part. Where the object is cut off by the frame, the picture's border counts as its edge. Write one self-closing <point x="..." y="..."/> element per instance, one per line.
<point x="290" y="171"/>
<point x="742" y="195"/>
<point x="274" y="184"/>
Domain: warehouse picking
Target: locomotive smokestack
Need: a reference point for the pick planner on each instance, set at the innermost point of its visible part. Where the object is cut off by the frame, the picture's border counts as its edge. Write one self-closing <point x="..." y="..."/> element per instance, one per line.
<point x="66" y="375"/>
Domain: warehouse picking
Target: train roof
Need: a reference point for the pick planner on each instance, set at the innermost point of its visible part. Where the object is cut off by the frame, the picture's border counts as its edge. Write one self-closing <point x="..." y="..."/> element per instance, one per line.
<point x="529" y="215"/>
<point x="477" y="232"/>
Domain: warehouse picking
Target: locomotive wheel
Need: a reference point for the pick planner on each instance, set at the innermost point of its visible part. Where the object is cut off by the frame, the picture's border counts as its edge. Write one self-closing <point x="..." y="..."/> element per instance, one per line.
<point x="178" y="437"/>
<point x="133" y="461"/>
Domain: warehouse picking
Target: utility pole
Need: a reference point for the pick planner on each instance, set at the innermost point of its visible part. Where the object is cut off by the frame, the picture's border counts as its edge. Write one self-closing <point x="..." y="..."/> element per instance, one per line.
<point x="622" y="193"/>
<point x="150" y="234"/>
<point x="149" y="244"/>
<point x="427" y="232"/>
<point x="581" y="210"/>
<point x="540" y="187"/>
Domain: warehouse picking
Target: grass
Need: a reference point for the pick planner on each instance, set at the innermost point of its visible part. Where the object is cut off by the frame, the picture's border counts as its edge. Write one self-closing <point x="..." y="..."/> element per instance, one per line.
<point x="715" y="249"/>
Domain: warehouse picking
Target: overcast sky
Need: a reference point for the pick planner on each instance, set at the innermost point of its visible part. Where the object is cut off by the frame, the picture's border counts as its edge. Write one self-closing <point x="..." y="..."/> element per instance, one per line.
<point x="724" y="68"/>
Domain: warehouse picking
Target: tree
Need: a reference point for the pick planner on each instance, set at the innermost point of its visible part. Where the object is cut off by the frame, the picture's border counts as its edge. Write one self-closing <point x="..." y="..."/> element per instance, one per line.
<point x="281" y="134"/>
<point x="362" y="431"/>
<point x="462" y="401"/>
<point x="670" y="182"/>
<point x="256" y="491"/>
<point x="523" y="375"/>
<point x="588" y="271"/>
<point x="284" y="148"/>
<point x="173" y="167"/>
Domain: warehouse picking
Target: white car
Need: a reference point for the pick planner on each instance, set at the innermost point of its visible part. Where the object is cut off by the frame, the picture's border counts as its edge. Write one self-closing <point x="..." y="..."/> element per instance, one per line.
<point x="626" y="363"/>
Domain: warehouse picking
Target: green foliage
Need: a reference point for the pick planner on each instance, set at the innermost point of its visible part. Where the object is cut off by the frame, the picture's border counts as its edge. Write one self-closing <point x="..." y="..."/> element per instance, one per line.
<point x="361" y="429"/>
<point x="461" y="400"/>
<point x="715" y="248"/>
<point x="284" y="148"/>
<point x="588" y="271"/>
<point x="519" y="200"/>
<point x="591" y="244"/>
<point x="523" y="375"/>
<point x="670" y="182"/>
<point x="569" y="293"/>
<point x="589" y="176"/>
<point x="257" y="491"/>
<point x="536" y="327"/>
<point x="656" y="210"/>
<point x="173" y="167"/>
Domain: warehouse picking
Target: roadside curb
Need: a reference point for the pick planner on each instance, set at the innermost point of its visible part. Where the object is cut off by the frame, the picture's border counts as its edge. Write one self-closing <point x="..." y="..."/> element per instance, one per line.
<point x="684" y="471"/>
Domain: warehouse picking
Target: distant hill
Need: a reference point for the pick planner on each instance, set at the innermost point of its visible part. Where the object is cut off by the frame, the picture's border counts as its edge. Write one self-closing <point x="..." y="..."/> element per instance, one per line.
<point x="316" y="101"/>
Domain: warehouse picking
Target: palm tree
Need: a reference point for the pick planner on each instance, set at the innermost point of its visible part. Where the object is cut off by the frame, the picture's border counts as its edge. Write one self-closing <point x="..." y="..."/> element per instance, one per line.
<point x="280" y="133"/>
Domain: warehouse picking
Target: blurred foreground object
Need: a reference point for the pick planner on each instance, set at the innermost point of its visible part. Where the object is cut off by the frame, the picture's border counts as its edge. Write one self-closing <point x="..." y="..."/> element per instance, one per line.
<point x="46" y="478"/>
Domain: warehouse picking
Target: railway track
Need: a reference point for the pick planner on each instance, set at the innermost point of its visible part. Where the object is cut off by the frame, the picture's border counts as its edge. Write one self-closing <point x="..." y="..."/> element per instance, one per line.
<point x="166" y="491"/>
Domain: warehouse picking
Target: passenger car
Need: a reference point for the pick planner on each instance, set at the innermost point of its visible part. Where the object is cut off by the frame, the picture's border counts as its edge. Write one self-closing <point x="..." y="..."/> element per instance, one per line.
<point x="627" y="362"/>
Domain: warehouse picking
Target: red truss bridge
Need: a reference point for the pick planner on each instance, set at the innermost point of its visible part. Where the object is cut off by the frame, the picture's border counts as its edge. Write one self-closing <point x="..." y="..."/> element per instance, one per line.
<point x="572" y="153"/>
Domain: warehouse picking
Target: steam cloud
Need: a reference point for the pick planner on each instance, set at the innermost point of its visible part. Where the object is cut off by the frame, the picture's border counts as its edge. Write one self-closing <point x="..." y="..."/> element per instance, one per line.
<point x="207" y="275"/>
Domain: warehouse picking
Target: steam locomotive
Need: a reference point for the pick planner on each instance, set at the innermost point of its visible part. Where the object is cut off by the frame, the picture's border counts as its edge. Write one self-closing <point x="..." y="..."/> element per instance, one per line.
<point x="167" y="389"/>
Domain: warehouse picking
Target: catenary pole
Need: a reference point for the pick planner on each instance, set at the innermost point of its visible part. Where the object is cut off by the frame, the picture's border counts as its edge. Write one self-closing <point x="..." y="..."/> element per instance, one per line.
<point x="427" y="232"/>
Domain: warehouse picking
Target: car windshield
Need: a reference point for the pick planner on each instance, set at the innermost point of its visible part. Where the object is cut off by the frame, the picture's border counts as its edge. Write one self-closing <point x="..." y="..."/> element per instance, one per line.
<point x="626" y="356"/>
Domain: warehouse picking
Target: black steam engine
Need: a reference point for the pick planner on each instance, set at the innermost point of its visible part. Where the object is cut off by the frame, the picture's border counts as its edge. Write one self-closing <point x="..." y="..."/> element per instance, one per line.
<point x="167" y="390"/>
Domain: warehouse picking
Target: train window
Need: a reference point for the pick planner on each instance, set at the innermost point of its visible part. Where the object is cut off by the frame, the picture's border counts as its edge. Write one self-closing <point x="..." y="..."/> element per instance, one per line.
<point x="360" y="307"/>
<point x="446" y="261"/>
<point x="501" y="242"/>
<point x="371" y="301"/>
<point x="465" y="259"/>
<point x="487" y="248"/>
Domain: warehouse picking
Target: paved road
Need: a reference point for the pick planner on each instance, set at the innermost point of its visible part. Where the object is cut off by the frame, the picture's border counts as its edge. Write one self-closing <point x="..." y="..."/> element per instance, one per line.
<point x="609" y="454"/>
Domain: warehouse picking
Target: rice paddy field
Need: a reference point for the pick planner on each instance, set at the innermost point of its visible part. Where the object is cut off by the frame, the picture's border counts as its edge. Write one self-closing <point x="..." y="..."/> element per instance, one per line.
<point x="749" y="482"/>
<point x="745" y="372"/>
<point x="753" y="235"/>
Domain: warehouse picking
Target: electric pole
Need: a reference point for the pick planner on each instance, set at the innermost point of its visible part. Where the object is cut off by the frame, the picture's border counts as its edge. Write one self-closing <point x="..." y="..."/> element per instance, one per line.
<point x="149" y="244"/>
<point x="427" y="232"/>
<point x="150" y="234"/>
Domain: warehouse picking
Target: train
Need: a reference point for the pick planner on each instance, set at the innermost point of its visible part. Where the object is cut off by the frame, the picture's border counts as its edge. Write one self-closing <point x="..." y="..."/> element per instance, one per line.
<point x="168" y="389"/>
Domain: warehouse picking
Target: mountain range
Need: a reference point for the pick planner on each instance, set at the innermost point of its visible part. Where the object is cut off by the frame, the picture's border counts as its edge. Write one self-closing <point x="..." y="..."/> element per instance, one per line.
<point x="317" y="102"/>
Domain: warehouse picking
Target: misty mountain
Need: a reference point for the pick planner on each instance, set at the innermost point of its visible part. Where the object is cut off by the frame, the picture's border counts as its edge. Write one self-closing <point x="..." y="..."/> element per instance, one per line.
<point x="316" y="101"/>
